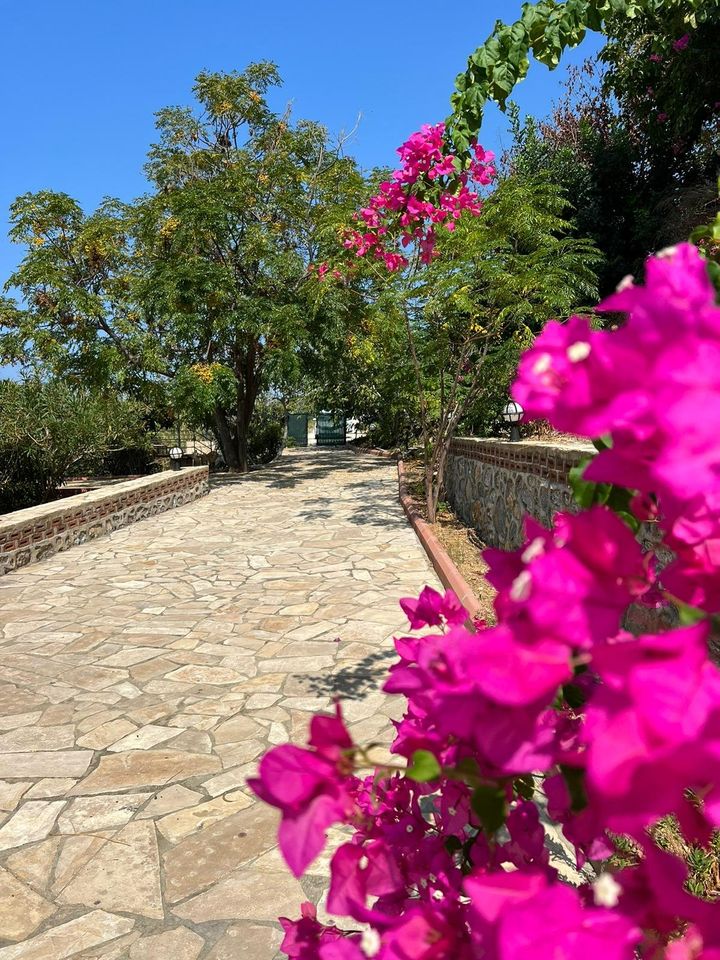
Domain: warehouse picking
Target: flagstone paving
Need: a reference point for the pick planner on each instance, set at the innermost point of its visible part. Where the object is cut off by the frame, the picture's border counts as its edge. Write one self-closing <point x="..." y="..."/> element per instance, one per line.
<point x="141" y="677"/>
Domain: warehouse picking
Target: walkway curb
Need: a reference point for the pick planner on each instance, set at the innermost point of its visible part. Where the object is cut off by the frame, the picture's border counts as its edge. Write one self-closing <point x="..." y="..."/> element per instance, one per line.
<point x="446" y="570"/>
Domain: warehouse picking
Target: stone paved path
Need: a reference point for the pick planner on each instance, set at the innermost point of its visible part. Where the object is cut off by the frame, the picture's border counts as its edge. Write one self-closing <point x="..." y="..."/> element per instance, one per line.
<point x="141" y="676"/>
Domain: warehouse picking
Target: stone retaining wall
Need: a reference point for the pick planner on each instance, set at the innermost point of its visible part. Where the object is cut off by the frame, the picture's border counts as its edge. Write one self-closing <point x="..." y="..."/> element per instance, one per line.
<point x="492" y="484"/>
<point x="30" y="535"/>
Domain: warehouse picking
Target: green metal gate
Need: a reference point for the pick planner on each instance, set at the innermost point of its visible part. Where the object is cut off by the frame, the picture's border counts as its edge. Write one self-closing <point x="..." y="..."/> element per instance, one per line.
<point x="330" y="430"/>
<point x="297" y="428"/>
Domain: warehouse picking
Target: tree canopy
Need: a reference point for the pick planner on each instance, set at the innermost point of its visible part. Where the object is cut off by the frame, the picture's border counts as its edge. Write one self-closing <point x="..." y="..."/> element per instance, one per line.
<point x="200" y="289"/>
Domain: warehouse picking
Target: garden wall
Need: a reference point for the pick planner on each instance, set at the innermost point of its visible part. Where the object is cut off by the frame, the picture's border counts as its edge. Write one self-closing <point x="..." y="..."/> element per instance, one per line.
<point x="493" y="484"/>
<point x="30" y="535"/>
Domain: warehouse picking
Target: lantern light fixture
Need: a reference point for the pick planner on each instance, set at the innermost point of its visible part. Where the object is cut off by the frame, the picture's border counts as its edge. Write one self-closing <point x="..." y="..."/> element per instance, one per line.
<point x="512" y="414"/>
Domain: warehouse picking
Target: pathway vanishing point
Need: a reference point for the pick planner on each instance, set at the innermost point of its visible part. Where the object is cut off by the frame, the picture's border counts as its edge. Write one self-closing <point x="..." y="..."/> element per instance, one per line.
<point x="144" y="673"/>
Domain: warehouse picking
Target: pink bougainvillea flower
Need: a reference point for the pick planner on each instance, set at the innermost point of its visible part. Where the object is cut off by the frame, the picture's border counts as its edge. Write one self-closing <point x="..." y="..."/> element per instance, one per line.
<point x="574" y="583"/>
<point x="520" y="915"/>
<point x="311" y="788"/>
<point x="431" y="609"/>
<point x="682" y="43"/>
<point x="308" y="939"/>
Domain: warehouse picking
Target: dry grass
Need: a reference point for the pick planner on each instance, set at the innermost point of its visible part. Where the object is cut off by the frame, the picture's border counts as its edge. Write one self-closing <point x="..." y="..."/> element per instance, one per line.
<point x="461" y="543"/>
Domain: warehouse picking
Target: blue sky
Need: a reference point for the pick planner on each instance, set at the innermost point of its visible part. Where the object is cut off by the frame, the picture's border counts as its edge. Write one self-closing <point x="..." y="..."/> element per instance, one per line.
<point x="81" y="79"/>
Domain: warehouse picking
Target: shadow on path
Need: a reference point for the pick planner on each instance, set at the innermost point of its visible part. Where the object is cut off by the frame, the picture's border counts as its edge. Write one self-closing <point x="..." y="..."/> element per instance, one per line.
<point x="356" y="680"/>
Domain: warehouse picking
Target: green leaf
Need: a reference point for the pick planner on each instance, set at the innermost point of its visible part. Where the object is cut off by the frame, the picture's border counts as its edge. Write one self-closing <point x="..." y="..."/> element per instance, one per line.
<point x="688" y="615"/>
<point x="583" y="490"/>
<point x="490" y="804"/>
<point x="468" y="769"/>
<point x="423" y="767"/>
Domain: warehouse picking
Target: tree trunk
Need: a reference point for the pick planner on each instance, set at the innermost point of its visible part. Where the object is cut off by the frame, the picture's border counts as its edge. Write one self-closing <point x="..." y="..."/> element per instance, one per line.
<point x="228" y="442"/>
<point x="248" y="386"/>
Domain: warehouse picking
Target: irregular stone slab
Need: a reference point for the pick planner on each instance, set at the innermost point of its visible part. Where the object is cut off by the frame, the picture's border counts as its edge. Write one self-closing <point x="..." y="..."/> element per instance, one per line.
<point x="19" y="720"/>
<point x="50" y="787"/>
<point x="21" y="909"/>
<point x="296" y="664"/>
<point x="70" y="939"/>
<point x="233" y="754"/>
<point x="123" y="771"/>
<point x="168" y="800"/>
<point x="27" y="739"/>
<point x="195" y="673"/>
<point x="33" y="821"/>
<point x="247" y="941"/>
<point x="93" y="678"/>
<point x="106" y="733"/>
<point x="130" y="656"/>
<point x="115" y="950"/>
<point x="246" y="895"/>
<point x="176" y="826"/>
<point x="177" y="944"/>
<point x="75" y="852"/>
<point x="191" y="741"/>
<point x="34" y="864"/>
<point x="72" y="763"/>
<point x="211" y="854"/>
<point x="237" y="728"/>
<point x="143" y="739"/>
<point x="124" y="875"/>
<point x="11" y="793"/>
<point x="87" y="814"/>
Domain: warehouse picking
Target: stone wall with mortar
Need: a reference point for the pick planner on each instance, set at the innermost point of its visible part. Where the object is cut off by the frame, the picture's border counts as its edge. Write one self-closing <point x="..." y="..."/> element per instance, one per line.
<point x="492" y="484"/>
<point x="30" y="535"/>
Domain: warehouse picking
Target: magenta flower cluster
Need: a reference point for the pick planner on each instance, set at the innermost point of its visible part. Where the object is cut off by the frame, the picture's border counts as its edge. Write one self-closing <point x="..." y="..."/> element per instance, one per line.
<point x="401" y="210"/>
<point x="556" y="719"/>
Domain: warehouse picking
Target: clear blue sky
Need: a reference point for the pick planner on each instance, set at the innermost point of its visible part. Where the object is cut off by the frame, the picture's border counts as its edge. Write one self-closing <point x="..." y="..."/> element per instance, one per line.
<point x="81" y="79"/>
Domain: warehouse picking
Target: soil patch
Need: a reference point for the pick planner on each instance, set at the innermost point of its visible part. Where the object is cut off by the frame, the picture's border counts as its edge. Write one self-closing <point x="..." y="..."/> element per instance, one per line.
<point x="462" y="544"/>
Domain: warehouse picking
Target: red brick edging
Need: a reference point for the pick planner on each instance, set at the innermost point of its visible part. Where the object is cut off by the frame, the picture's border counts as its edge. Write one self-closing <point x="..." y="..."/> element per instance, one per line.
<point x="446" y="570"/>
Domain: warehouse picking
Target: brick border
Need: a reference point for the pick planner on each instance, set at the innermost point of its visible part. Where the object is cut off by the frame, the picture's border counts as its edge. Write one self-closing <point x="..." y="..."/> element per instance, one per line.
<point x="446" y="570"/>
<point x="27" y="536"/>
<point x="543" y="460"/>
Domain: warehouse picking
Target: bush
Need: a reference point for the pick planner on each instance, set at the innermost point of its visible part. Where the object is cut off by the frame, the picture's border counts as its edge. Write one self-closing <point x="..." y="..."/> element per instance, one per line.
<point x="267" y="432"/>
<point x="47" y="429"/>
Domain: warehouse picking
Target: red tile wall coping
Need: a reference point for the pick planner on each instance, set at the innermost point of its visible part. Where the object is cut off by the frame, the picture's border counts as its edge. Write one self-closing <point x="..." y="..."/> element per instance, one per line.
<point x="552" y="461"/>
<point x="37" y="532"/>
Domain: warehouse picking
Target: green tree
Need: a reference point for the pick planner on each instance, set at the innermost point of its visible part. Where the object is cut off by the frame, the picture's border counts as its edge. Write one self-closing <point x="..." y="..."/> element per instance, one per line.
<point x="202" y="285"/>
<point x="245" y="201"/>
<point x="545" y="30"/>
<point x="498" y="279"/>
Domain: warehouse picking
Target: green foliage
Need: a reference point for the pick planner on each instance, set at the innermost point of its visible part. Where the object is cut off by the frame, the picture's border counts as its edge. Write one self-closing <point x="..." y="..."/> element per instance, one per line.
<point x="48" y="428"/>
<point x="207" y="273"/>
<point x="266" y="433"/>
<point x="423" y="767"/>
<point x="489" y="803"/>
<point x="499" y="278"/>
<point x="545" y="30"/>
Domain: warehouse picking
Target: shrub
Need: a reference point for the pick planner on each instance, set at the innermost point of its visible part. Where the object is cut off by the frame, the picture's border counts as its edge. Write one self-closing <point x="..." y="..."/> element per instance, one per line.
<point x="267" y="432"/>
<point x="48" y="428"/>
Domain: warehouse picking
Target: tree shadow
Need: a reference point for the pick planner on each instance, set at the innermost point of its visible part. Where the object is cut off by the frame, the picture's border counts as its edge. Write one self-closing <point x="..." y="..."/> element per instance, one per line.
<point x="297" y="468"/>
<point x="354" y="681"/>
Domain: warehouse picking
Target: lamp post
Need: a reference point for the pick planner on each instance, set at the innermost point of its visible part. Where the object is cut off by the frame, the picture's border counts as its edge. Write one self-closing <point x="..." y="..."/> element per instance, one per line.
<point x="512" y="414"/>
<point x="175" y="454"/>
